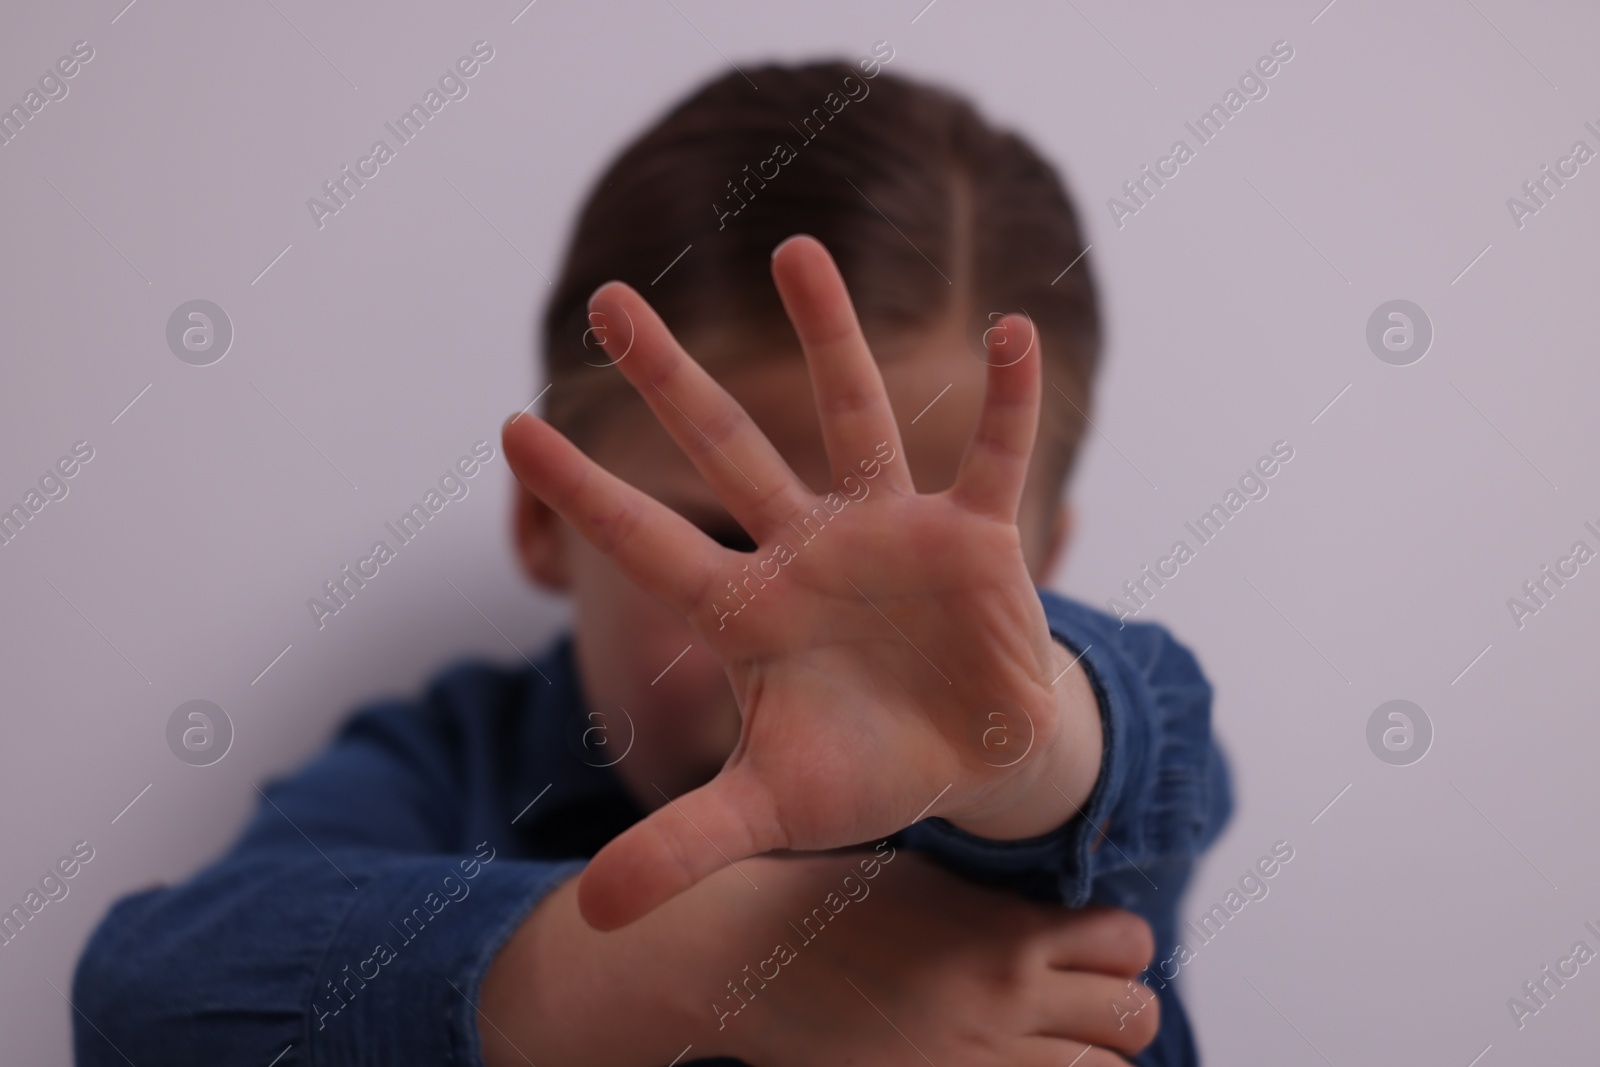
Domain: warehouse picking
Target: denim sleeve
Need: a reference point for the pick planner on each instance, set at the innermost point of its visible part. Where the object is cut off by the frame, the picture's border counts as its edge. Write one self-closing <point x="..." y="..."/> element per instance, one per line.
<point x="347" y="926"/>
<point x="1162" y="795"/>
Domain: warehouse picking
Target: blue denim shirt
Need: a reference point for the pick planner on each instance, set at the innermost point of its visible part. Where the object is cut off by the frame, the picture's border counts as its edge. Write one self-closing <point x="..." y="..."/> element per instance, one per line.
<point x="354" y="920"/>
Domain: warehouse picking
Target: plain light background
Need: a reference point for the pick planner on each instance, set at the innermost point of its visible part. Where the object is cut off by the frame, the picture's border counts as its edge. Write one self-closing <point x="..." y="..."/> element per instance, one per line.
<point x="377" y="350"/>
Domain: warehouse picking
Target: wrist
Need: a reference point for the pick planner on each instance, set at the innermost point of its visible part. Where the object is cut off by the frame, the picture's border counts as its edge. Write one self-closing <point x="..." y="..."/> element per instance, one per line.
<point x="770" y="1000"/>
<point x="1051" y="786"/>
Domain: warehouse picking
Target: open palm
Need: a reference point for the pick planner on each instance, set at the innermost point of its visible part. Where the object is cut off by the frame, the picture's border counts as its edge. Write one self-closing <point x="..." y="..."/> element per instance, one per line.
<point x="887" y="649"/>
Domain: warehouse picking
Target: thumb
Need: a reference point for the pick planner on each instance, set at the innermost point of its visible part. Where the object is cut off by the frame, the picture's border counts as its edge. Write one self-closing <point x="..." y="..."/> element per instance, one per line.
<point x="728" y="819"/>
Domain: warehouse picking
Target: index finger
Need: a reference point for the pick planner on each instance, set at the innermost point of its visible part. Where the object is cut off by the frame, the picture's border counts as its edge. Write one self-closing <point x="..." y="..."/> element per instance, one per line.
<point x="658" y="549"/>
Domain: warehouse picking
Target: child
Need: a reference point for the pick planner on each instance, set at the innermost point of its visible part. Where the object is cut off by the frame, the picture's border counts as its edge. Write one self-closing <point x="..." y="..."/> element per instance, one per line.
<point x="839" y="779"/>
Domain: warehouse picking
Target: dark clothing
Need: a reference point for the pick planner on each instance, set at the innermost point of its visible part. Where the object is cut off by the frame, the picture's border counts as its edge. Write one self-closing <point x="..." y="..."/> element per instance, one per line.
<point x="355" y="919"/>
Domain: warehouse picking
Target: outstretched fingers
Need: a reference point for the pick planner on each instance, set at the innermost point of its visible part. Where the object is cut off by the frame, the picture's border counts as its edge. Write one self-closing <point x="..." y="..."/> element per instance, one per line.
<point x="661" y="551"/>
<point x="675" y="847"/>
<point x="742" y="467"/>
<point x="994" y="468"/>
<point x="851" y="401"/>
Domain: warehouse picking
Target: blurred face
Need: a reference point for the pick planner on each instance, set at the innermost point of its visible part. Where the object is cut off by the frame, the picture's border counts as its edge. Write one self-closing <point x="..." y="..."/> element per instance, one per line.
<point x="686" y="720"/>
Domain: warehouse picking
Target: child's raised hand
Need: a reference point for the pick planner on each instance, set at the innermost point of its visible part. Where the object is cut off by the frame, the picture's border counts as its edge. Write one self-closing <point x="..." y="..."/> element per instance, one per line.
<point x="896" y="663"/>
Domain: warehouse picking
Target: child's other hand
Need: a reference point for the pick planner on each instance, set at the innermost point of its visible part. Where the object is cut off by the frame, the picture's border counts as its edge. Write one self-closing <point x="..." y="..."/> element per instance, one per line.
<point x="927" y="967"/>
<point x="884" y="655"/>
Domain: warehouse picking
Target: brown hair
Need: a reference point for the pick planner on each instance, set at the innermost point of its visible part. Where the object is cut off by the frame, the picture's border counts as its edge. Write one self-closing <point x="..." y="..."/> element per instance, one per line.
<point x="927" y="209"/>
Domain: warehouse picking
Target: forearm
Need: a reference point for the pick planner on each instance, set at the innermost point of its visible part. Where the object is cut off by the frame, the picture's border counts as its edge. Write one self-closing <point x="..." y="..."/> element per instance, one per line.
<point x="561" y="993"/>
<point x="558" y="989"/>
<point x="341" y="953"/>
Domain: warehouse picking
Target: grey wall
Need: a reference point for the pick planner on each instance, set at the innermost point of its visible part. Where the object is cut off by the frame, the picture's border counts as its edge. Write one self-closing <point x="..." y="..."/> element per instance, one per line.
<point x="379" y="348"/>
